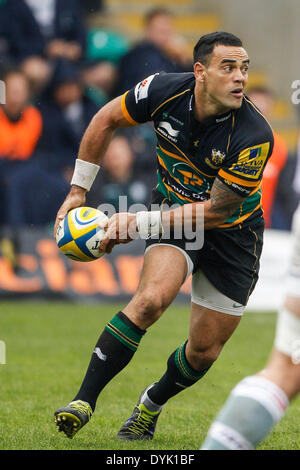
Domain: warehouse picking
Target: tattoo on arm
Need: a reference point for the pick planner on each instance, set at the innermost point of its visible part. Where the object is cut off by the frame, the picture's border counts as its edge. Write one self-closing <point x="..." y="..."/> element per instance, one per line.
<point x="224" y="201"/>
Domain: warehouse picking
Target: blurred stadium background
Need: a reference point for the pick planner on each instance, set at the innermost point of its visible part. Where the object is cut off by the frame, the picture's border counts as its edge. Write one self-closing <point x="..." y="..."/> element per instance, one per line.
<point x="72" y="61"/>
<point x="60" y="65"/>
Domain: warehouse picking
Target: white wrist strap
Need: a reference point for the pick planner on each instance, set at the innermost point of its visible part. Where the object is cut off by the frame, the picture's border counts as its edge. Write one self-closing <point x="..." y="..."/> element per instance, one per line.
<point x="149" y="223"/>
<point x="84" y="174"/>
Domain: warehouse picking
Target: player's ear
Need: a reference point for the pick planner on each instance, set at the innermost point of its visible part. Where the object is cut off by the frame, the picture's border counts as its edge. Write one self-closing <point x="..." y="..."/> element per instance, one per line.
<point x="199" y="71"/>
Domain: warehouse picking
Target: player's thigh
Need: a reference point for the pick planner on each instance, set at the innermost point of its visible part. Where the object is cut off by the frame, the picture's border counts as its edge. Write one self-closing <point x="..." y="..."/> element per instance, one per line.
<point x="209" y="331"/>
<point x="164" y="270"/>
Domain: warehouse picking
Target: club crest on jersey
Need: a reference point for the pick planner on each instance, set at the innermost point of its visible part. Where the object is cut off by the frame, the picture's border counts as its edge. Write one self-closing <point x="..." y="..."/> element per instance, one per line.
<point x="216" y="159"/>
<point x="167" y="130"/>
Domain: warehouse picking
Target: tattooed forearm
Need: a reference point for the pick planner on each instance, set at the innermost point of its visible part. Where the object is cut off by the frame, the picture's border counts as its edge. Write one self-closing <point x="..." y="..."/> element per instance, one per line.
<point x="223" y="200"/>
<point x="215" y="211"/>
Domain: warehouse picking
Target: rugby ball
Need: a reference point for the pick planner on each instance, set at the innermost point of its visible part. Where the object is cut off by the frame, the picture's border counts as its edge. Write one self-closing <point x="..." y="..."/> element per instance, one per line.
<point x="79" y="235"/>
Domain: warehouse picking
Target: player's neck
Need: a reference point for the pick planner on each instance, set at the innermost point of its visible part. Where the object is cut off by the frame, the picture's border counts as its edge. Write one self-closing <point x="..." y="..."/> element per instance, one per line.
<point x="206" y="108"/>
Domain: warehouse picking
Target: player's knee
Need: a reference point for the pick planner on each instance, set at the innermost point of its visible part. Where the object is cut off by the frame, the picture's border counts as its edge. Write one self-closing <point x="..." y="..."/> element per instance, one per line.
<point x="284" y="371"/>
<point x="292" y="380"/>
<point x="201" y="357"/>
<point x="150" y="304"/>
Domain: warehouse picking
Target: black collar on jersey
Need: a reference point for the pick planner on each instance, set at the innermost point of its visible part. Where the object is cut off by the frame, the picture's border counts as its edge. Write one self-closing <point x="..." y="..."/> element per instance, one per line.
<point x="211" y="120"/>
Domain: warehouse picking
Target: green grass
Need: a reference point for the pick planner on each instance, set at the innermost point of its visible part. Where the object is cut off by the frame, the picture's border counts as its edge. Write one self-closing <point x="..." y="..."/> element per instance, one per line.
<point x="48" y="347"/>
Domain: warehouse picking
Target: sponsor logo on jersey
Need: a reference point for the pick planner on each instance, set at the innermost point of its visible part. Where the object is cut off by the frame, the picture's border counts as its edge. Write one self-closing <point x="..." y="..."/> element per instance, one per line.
<point x="142" y="88"/>
<point x="191" y="181"/>
<point x="191" y="195"/>
<point x="167" y="130"/>
<point x="237" y="186"/>
<point x="166" y="115"/>
<point x="251" y="161"/>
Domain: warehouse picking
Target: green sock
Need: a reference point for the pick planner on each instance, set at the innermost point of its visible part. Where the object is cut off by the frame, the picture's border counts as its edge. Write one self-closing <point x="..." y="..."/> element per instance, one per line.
<point x="178" y="376"/>
<point x="113" y="351"/>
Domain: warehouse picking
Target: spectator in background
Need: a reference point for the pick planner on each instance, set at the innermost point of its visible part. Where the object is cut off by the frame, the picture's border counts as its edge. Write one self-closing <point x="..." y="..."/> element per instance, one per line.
<point x="104" y="50"/>
<point x="89" y="7"/>
<point x="160" y="50"/>
<point x="20" y="129"/>
<point x="264" y="100"/>
<point x="119" y="178"/>
<point x="40" y="31"/>
<point x="66" y="113"/>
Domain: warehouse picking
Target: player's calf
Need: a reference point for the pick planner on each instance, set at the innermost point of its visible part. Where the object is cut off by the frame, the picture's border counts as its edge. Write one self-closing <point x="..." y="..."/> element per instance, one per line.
<point x="253" y="408"/>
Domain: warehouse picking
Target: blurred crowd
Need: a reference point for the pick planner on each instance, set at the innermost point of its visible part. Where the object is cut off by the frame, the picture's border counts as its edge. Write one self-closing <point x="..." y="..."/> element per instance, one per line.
<point x="58" y="73"/>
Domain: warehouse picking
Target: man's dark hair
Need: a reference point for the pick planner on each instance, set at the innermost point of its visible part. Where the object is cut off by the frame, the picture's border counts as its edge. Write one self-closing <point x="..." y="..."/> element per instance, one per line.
<point x="205" y="46"/>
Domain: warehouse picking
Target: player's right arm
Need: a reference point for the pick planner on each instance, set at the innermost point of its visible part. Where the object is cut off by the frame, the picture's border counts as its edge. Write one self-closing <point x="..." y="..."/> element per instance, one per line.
<point x="93" y="147"/>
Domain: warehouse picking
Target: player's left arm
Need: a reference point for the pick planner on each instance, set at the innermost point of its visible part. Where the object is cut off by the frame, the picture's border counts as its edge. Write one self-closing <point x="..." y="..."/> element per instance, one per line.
<point x="215" y="211"/>
<point x="222" y="204"/>
<point x="122" y="227"/>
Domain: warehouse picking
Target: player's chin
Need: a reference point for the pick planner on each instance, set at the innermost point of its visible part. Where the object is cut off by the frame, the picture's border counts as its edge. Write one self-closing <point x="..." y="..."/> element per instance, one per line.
<point x="235" y="100"/>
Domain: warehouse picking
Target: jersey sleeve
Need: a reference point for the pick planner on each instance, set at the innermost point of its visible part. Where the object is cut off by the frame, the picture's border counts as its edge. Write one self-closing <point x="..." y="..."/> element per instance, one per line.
<point x="139" y="103"/>
<point x="243" y="169"/>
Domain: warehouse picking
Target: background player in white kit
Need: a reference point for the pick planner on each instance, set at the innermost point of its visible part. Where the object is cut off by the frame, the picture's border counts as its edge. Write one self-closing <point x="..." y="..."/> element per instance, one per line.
<point x="258" y="402"/>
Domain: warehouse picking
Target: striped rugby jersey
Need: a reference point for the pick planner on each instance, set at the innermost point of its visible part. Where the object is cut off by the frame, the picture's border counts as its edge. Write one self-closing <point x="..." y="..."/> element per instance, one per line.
<point x="233" y="147"/>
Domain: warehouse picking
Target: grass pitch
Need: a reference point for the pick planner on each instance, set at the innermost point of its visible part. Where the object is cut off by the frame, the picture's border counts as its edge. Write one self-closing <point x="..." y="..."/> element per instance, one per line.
<point x="48" y="347"/>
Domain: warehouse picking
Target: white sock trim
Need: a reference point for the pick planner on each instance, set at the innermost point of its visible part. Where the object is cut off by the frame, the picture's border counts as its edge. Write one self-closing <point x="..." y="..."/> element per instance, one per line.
<point x="228" y="437"/>
<point x="267" y="393"/>
<point x="146" y="400"/>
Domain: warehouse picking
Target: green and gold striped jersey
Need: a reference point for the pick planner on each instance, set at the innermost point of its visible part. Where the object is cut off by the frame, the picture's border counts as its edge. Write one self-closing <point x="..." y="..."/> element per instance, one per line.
<point x="233" y="147"/>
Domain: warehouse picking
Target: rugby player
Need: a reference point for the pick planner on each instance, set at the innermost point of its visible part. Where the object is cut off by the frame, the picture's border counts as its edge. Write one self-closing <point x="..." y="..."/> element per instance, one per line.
<point x="212" y="147"/>
<point x="258" y="402"/>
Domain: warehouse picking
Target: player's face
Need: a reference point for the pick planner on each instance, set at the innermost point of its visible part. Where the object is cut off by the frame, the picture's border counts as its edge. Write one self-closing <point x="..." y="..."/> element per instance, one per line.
<point x="226" y="76"/>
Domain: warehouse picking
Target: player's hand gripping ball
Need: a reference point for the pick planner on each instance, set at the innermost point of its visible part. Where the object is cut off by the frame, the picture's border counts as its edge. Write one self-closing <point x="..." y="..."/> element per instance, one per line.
<point x="79" y="235"/>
